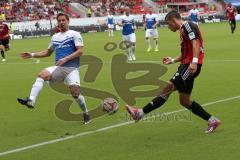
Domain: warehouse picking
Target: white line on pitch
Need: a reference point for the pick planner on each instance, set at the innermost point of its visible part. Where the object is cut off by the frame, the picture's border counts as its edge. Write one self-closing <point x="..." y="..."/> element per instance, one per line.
<point x="38" y="61"/>
<point x="102" y="129"/>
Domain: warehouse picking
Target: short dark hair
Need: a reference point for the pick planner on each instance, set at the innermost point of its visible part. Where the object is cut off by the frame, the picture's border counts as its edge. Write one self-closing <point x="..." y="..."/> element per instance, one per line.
<point x="172" y="14"/>
<point x="63" y="14"/>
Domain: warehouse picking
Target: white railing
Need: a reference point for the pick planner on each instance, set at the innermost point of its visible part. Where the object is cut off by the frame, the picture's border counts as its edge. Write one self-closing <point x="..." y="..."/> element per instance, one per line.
<point x="219" y="7"/>
<point x="78" y="9"/>
<point x="45" y="24"/>
<point x="149" y="3"/>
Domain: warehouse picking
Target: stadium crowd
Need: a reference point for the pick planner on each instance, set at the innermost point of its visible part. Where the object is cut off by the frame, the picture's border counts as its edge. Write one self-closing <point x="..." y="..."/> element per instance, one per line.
<point x="101" y="7"/>
<point x="28" y="10"/>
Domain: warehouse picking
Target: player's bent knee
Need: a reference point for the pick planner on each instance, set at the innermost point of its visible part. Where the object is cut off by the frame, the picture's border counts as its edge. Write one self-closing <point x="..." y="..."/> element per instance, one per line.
<point x="75" y="95"/>
<point x="45" y="75"/>
<point x="75" y="91"/>
<point x="127" y="44"/>
<point x="169" y="87"/>
<point x="185" y="102"/>
<point x="167" y="90"/>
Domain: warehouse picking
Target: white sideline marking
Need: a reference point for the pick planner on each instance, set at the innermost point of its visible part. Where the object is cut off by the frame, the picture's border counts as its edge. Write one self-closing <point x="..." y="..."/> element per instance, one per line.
<point x="52" y="62"/>
<point x="224" y="60"/>
<point x="101" y="129"/>
<point x="37" y="61"/>
<point x="34" y="61"/>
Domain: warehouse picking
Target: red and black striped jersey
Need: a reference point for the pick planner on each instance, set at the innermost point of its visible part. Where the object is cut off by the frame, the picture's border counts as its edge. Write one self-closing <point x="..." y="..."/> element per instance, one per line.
<point x="4" y="31"/>
<point x="230" y="11"/>
<point x="188" y="32"/>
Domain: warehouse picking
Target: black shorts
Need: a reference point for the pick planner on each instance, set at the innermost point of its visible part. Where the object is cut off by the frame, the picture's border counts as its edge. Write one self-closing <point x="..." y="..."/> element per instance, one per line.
<point x="5" y="43"/>
<point x="232" y="21"/>
<point x="182" y="81"/>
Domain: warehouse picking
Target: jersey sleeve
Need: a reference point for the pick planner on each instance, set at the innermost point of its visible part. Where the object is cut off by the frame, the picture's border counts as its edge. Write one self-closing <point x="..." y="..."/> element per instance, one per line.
<point x="50" y="45"/>
<point x="133" y="21"/>
<point x="121" y="19"/>
<point x="7" y="28"/>
<point x="192" y="31"/>
<point x="189" y="13"/>
<point x="78" y="40"/>
<point x="156" y="18"/>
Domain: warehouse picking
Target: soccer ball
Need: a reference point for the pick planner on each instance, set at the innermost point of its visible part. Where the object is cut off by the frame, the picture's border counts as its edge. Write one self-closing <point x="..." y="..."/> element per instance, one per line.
<point x="110" y="105"/>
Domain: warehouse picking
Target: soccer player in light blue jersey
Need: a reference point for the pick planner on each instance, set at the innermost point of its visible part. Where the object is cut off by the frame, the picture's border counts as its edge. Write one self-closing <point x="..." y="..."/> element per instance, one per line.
<point x="194" y="15"/>
<point x="151" y="22"/>
<point x="128" y="34"/>
<point x="110" y="23"/>
<point x="68" y="47"/>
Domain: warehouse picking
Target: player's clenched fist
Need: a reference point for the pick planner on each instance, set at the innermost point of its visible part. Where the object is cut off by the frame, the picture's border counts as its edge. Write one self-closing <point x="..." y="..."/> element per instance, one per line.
<point x="26" y="55"/>
<point x="168" y="60"/>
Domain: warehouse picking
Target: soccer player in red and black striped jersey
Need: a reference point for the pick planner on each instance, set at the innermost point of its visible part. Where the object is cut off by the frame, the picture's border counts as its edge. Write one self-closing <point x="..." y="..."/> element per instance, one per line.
<point x="231" y="13"/>
<point x="191" y="60"/>
<point x="4" y="38"/>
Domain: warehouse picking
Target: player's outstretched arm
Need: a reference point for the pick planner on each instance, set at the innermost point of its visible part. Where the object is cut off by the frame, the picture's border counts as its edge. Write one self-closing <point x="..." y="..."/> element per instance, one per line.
<point x="120" y="24"/>
<point x="170" y="60"/>
<point x="226" y="13"/>
<point x="156" y="23"/>
<point x="72" y="56"/>
<point x="144" y="25"/>
<point x="134" y="24"/>
<point x="42" y="54"/>
<point x="199" y="17"/>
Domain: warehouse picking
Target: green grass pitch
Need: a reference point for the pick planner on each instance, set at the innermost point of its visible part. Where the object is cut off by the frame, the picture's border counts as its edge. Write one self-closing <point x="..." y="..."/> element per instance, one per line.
<point x="167" y="139"/>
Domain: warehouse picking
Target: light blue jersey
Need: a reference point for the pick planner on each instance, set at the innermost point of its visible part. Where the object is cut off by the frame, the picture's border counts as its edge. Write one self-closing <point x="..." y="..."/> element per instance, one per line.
<point x="151" y="19"/>
<point x="128" y="23"/>
<point x="110" y="20"/>
<point x="64" y="44"/>
<point x="193" y="14"/>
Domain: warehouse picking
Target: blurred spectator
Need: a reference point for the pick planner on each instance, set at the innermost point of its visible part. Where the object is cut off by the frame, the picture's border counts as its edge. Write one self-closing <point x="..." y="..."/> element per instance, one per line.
<point x="37" y="25"/>
<point x="89" y="12"/>
<point x="12" y="27"/>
